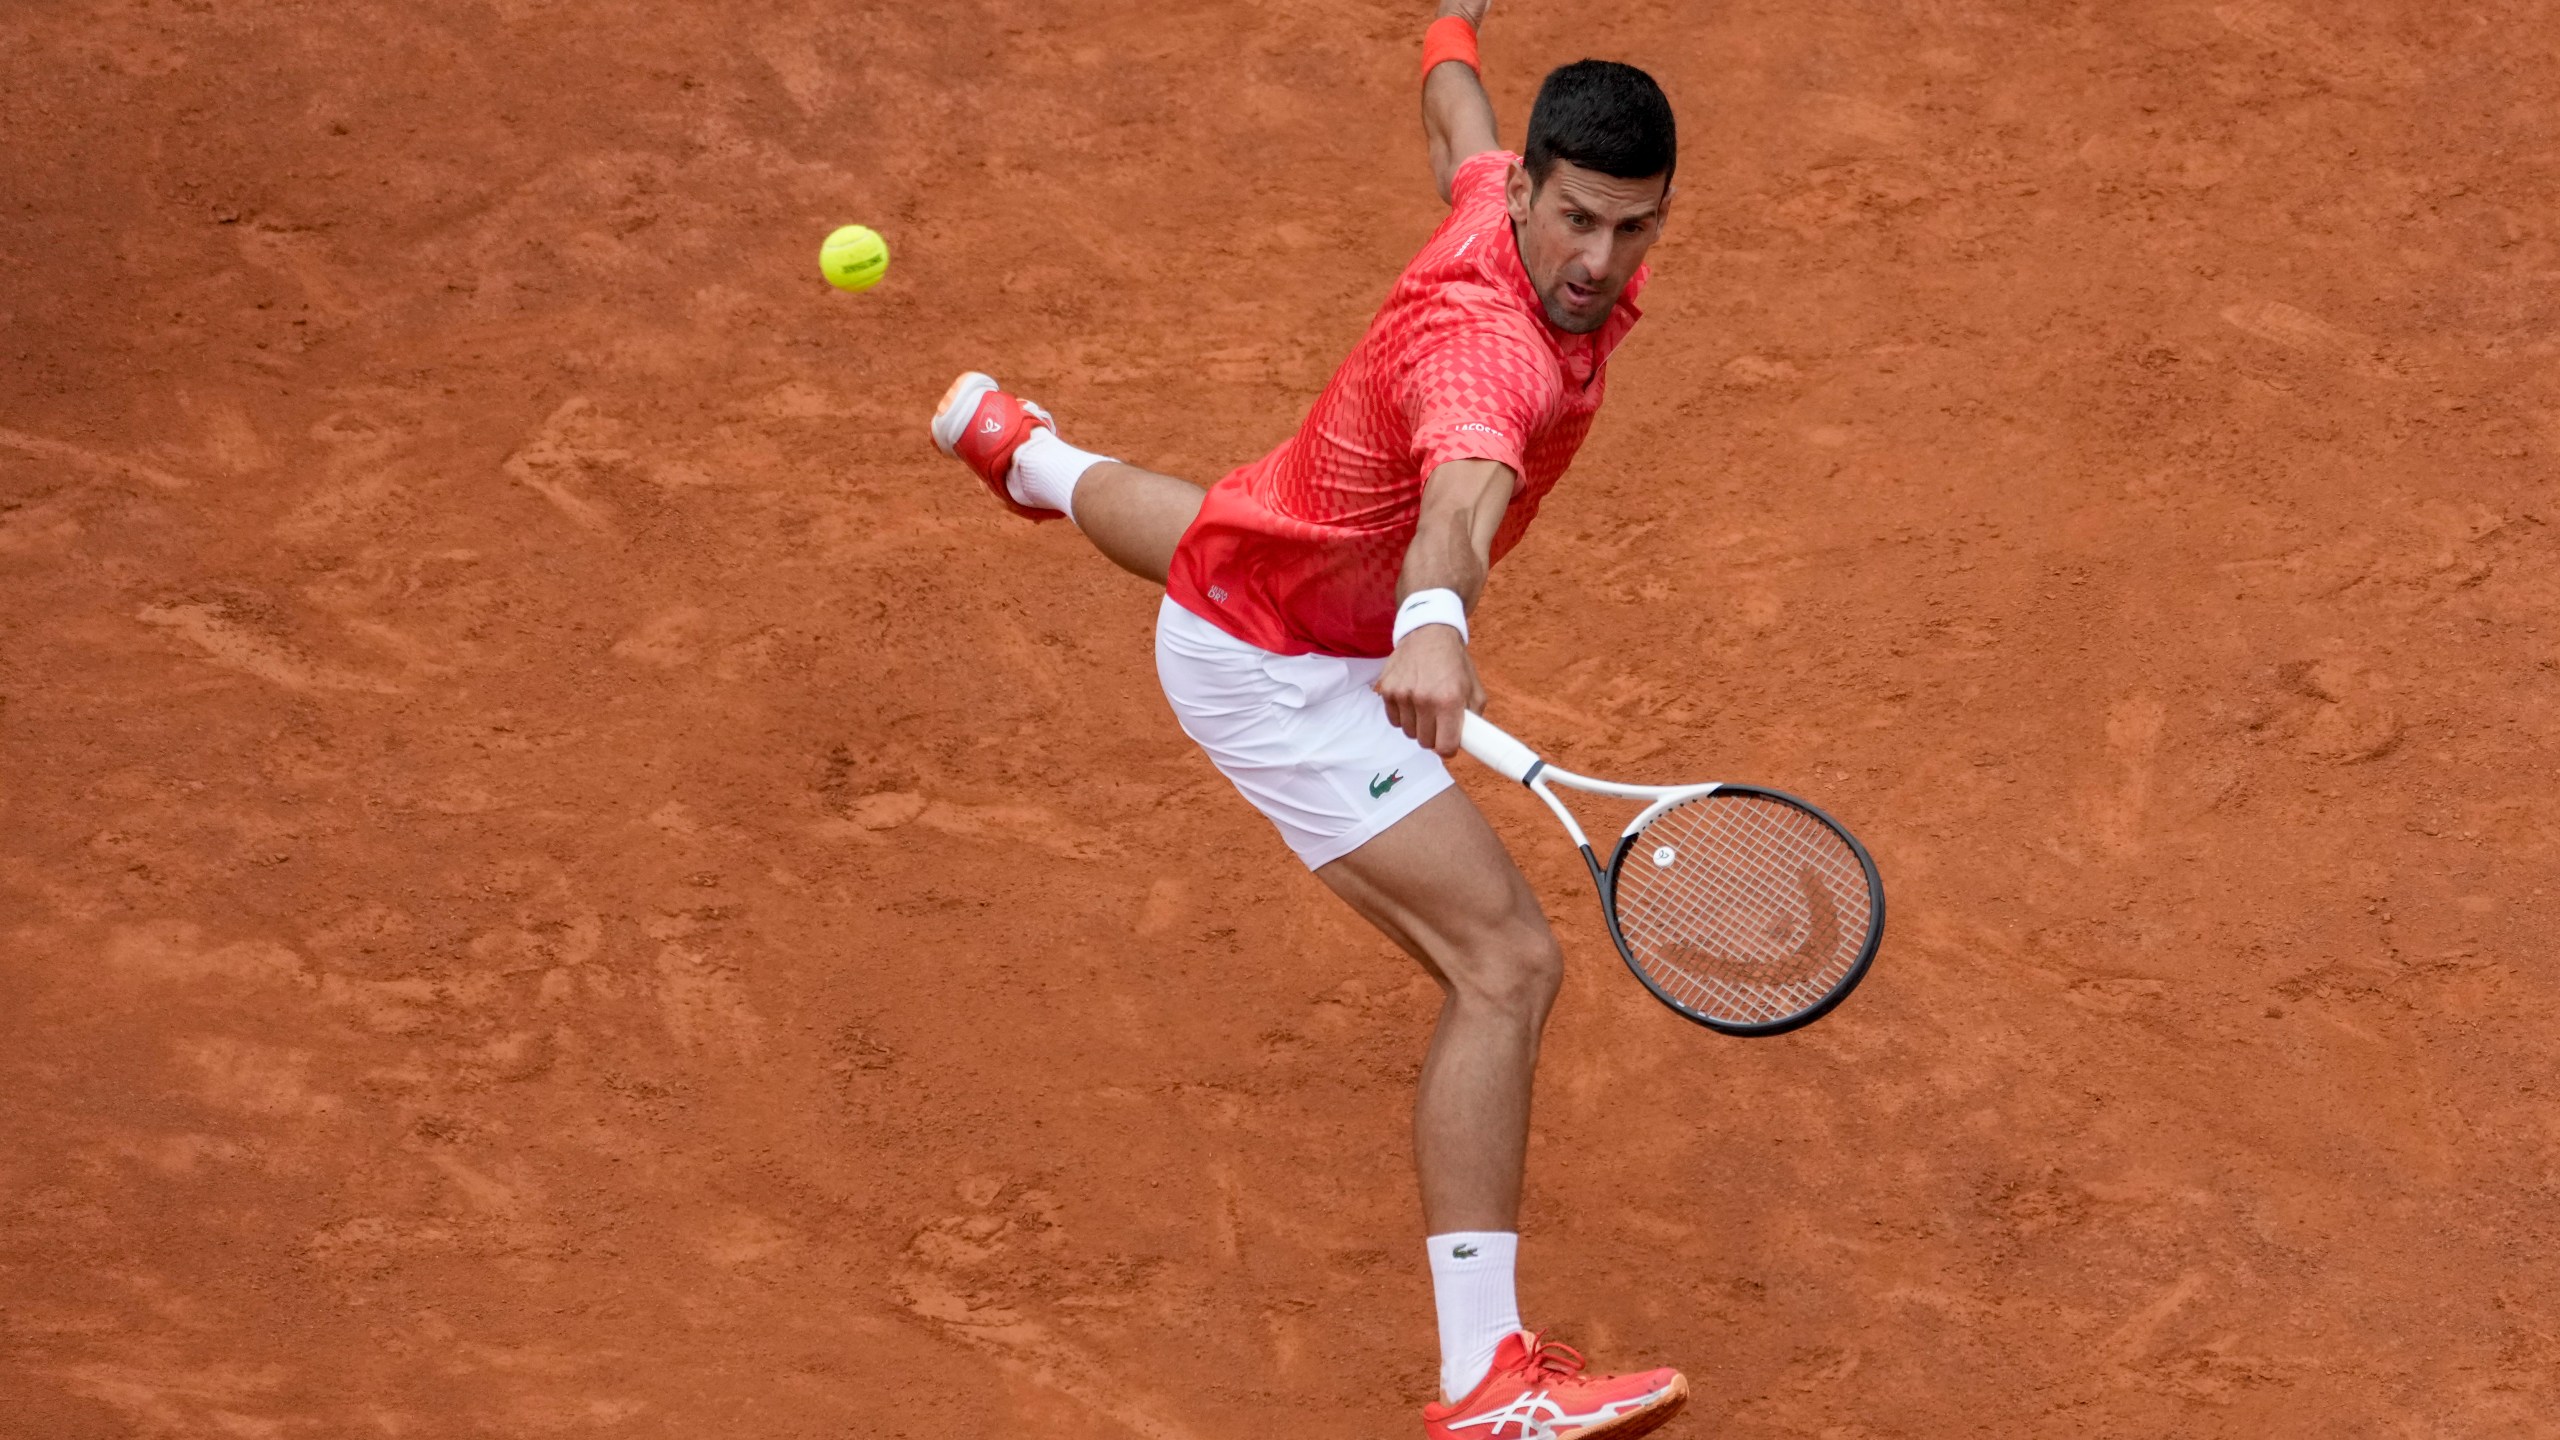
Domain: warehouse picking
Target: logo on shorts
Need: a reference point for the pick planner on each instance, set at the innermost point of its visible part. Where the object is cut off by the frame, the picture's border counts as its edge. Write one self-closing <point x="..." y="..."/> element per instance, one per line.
<point x="1462" y="1252"/>
<point x="1378" y="788"/>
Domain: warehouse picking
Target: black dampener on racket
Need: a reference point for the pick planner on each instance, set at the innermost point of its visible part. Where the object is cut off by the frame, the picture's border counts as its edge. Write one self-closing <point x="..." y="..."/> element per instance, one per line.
<point x="1740" y="907"/>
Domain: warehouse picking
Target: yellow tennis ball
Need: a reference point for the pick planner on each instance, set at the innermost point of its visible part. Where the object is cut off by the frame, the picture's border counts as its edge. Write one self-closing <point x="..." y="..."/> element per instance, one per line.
<point x="854" y="258"/>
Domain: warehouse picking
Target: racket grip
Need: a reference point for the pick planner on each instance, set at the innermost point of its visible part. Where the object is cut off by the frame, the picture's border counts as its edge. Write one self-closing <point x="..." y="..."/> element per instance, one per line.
<point x="1496" y="750"/>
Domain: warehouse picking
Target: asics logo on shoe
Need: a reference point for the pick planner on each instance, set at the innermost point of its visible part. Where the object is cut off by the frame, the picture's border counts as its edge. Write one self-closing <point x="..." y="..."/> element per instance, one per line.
<point x="1536" y="1417"/>
<point x="1531" y="1417"/>
<point x="990" y="426"/>
<point x="1462" y="1252"/>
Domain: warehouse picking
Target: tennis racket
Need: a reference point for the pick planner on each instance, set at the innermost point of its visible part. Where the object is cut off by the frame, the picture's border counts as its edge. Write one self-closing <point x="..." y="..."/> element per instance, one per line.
<point x="1742" y="908"/>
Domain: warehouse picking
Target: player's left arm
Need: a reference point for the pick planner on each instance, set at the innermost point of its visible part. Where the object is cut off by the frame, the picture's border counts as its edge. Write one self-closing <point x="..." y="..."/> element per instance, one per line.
<point x="1457" y="114"/>
<point x="1430" y="681"/>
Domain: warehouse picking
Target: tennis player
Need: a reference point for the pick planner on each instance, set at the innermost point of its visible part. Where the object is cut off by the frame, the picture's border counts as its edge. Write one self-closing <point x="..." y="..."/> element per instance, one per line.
<point x="1313" y="638"/>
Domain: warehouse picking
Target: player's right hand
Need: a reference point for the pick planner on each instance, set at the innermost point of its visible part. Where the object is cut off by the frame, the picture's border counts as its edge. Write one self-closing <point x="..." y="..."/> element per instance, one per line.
<point x="1429" y="685"/>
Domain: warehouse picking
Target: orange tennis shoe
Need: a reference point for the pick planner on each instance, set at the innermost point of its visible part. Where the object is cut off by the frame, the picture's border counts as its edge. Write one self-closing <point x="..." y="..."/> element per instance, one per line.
<point x="1537" y="1391"/>
<point x="981" y="426"/>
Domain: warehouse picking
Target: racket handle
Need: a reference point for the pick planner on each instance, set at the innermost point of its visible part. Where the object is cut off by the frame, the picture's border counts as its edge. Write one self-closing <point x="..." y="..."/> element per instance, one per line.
<point x="1496" y="750"/>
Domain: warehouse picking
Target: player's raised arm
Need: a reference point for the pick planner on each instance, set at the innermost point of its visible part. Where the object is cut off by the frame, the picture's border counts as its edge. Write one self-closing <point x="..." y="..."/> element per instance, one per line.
<point x="1457" y="116"/>
<point x="1430" y="683"/>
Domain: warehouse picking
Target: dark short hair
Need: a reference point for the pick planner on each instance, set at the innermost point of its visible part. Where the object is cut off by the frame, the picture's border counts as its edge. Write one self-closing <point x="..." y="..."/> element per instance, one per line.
<point x="1602" y="116"/>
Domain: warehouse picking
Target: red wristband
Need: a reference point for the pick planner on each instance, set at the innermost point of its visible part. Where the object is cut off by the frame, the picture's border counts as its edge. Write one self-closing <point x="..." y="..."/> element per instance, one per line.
<point x="1449" y="38"/>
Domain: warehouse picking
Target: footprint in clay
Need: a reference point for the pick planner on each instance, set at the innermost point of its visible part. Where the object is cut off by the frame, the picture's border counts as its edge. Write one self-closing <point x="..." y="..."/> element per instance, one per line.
<point x="984" y="1276"/>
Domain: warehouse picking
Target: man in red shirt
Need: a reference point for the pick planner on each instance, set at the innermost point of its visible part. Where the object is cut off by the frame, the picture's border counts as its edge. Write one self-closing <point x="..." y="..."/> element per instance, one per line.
<point x="1313" y="637"/>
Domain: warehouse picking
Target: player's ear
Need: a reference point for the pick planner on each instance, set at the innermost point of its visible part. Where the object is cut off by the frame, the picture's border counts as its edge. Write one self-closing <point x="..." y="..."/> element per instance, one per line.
<point x="1517" y="190"/>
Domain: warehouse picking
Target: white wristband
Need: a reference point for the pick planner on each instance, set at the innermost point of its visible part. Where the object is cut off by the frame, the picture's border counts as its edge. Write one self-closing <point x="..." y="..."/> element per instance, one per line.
<point x="1431" y="607"/>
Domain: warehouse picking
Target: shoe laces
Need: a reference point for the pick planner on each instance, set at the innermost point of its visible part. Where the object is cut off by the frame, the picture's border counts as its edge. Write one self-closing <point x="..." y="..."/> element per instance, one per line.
<point x="1547" y="1357"/>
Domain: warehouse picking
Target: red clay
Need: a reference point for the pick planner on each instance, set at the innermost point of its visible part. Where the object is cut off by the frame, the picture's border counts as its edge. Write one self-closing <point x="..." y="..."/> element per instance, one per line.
<point x="564" y="874"/>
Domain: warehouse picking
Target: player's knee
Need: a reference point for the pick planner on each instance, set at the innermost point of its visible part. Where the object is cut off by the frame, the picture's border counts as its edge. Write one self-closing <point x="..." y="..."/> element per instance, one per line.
<point x="1515" y="970"/>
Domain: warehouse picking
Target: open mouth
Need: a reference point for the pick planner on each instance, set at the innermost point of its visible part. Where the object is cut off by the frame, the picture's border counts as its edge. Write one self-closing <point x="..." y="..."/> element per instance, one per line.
<point x="1580" y="297"/>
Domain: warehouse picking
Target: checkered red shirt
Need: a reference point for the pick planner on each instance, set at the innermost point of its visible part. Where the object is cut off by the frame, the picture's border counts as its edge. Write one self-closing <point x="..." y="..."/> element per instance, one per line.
<point x="1299" y="551"/>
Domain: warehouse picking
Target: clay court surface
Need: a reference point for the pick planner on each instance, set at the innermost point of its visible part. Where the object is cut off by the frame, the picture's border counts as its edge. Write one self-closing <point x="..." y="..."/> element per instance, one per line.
<point x="561" y="874"/>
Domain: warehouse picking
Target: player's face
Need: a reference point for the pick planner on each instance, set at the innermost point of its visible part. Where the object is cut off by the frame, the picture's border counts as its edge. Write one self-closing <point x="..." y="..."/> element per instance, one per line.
<point x="1582" y="235"/>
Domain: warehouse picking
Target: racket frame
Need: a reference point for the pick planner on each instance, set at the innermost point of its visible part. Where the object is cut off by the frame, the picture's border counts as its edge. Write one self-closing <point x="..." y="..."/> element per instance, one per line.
<point x="1507" y="757"/>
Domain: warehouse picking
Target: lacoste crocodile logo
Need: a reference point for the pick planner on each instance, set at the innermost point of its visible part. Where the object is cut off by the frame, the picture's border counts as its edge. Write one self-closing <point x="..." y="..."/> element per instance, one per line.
<point x="1378" y="788"/>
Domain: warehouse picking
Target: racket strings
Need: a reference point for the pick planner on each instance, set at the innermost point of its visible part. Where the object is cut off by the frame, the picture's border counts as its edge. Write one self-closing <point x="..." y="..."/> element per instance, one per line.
<point x="1740" y="939"/>
<point x="1708" y="974"/>
<point x="1743" y="907"/>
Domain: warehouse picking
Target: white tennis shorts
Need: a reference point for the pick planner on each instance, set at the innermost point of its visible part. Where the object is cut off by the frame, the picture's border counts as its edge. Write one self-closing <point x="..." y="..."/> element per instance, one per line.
<point x="1302" y="736"/>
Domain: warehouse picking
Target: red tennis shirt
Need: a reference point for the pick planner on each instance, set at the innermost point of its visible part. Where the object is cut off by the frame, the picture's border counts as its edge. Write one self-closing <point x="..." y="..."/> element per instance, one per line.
<point x="1298" y="552"/>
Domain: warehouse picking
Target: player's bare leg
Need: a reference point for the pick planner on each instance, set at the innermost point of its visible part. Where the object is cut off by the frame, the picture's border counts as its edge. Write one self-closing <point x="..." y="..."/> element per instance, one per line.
<point x="1440" y="884"/>
<point x="1133" y="516"/>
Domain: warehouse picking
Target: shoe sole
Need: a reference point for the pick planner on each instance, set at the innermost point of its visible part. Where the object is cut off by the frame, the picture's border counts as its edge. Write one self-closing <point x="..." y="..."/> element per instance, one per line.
<point x="1643" y="1422"/>
<point x="951" y="414"/>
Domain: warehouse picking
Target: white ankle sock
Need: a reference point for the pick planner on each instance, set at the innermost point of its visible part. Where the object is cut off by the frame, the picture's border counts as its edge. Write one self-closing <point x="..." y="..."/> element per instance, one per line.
<point x="1471" y="1281"/>
<point x="1045" y="472"/>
